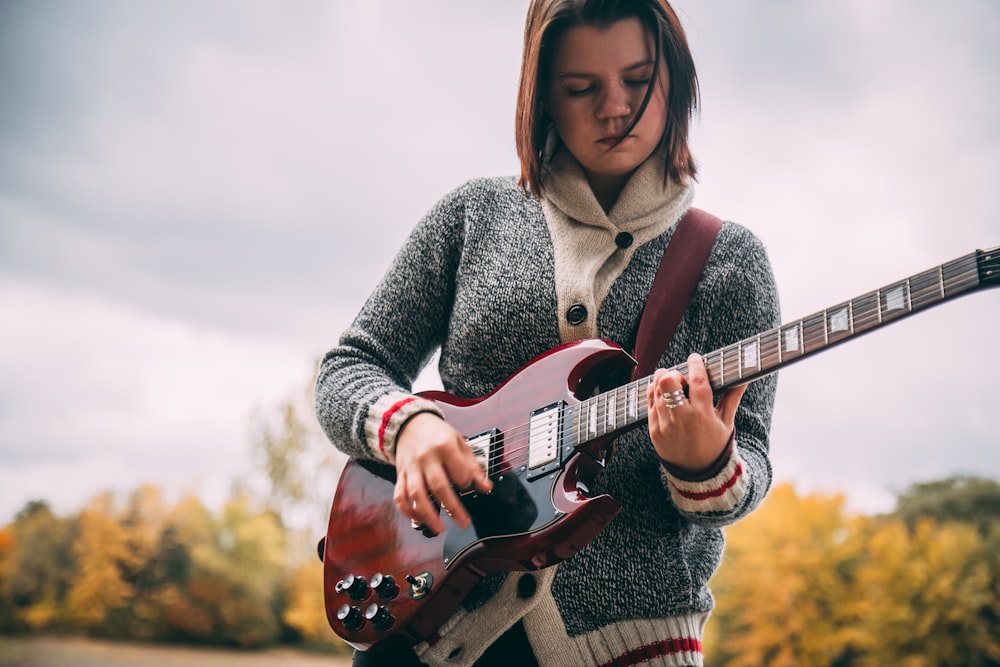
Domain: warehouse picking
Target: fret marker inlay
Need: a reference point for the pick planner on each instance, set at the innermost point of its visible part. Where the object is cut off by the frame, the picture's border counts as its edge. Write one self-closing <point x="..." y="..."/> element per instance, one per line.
<point x="894" y="299"/>
<point x="792" y="339"/>
<point x="839" y="320"/>
<point x="750" y="355"/>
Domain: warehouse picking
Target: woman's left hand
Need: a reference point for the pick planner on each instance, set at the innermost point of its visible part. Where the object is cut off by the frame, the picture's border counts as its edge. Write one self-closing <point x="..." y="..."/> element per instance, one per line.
<point x="693" y="434"/>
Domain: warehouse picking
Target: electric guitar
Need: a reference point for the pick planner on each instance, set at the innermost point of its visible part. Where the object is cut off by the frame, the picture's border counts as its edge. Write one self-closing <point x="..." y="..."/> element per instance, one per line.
<point x="542" y="437"/>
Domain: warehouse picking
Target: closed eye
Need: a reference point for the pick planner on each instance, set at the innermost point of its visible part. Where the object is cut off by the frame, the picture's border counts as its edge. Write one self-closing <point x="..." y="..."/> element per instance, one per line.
<point x="579" y="92"/>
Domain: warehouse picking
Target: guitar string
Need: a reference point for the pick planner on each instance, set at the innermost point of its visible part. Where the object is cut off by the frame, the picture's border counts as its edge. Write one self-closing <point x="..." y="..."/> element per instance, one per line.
<point x="769" y="342"/>
<point x="917" y="287"/>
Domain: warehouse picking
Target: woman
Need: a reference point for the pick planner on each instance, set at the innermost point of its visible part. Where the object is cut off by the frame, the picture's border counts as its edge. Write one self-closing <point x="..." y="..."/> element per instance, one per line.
<point x="499" y="272"/>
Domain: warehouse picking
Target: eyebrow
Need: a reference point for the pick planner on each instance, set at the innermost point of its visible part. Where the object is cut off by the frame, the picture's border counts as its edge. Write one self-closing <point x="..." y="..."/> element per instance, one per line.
<point x="584" y="75"/>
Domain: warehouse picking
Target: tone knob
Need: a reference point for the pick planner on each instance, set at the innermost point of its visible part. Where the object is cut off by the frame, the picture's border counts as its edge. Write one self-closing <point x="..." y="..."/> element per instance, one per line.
<point x="380" y="616"/>
<point x="384" y="585"/>
<point x="354" y="586"/>
<point x="350" y="616"/>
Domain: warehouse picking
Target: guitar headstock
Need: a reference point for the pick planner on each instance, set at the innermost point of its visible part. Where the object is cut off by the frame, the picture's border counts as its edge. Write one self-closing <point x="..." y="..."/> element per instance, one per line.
<point x="988" y="263"/>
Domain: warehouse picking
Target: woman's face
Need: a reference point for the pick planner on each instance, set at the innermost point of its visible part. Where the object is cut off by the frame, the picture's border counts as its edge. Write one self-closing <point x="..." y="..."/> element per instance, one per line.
<point x="598" y="80"/>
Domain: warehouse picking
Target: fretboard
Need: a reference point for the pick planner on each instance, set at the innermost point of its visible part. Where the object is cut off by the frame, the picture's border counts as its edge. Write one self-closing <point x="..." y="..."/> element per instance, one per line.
<point x="623" y="408"/>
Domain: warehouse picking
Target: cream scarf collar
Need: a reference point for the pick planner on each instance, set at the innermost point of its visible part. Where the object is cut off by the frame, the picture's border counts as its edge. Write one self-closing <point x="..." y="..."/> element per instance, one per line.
<point x="587" y="260"/>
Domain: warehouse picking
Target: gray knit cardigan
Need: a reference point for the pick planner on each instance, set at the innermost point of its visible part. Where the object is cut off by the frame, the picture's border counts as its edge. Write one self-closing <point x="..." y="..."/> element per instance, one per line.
<point x="477" y="279"/>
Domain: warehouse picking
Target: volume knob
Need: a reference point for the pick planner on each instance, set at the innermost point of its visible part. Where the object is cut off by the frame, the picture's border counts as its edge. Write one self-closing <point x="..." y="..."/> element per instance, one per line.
<point x="384" y="585"/>
<point x="350" y="616"/>
<point x="380" y="616"/>
<point x="354" y="586"/>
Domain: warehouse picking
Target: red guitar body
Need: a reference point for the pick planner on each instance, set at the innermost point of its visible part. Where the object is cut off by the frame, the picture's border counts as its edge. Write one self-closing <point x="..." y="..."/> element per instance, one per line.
<point x="386" y="581"/>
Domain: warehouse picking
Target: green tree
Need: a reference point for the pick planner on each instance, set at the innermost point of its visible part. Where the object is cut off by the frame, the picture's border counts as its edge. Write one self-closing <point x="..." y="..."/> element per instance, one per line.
<point x="973" y="500"/>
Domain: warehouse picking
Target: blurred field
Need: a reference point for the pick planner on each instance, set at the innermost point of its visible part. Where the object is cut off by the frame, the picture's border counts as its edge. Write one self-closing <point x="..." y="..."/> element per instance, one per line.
<point x="76" y="652"/>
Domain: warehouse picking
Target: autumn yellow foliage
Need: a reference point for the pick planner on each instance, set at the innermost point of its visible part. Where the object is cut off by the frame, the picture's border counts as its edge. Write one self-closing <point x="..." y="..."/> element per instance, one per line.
<point x="806" y="583"/>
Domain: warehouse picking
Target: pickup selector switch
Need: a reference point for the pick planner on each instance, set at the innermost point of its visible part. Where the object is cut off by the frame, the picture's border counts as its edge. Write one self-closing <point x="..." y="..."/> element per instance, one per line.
<point x="380" y="616"/>
<point x="354" y="586"/>
<point x="384" y="586"/>
<point x="350" y="616"/>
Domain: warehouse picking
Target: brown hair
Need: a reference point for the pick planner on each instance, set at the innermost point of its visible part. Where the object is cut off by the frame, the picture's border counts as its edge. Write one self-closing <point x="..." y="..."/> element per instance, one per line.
<point x="547" y="21"/>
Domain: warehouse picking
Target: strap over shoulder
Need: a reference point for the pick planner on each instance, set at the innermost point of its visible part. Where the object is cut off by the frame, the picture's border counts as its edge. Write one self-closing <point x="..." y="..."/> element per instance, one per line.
<point x="680" y="270"/>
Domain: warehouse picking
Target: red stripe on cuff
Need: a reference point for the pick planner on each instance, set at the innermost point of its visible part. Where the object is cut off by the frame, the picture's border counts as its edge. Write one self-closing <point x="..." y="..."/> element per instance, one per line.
<point x="714" y="493"/>
<point x="664" y="647"/>
<point x="385" y="421"/>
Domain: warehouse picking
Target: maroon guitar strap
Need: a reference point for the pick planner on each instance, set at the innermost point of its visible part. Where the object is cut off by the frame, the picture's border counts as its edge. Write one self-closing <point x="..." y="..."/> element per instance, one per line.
<point x="680" y="270"/>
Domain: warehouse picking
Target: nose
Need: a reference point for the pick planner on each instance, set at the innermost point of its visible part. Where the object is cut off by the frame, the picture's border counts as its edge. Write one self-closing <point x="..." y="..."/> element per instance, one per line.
<point x="614" y="103"/>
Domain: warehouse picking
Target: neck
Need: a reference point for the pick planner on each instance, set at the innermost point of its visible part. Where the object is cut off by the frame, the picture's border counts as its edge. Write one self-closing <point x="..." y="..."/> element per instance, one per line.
<point x="607" y="188"/>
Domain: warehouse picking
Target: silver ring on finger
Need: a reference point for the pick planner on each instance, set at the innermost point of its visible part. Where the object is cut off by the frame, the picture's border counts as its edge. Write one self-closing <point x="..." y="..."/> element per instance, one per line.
<point x="674" y="399"/>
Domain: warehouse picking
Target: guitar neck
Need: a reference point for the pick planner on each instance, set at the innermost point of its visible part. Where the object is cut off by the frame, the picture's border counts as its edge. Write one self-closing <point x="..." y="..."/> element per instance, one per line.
<point x="624" y="408"/>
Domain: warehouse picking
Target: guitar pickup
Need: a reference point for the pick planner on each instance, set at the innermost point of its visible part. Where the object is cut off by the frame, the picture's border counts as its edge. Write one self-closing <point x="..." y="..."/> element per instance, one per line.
<point x="483" y="446"/>
<point x="543" y="441"/>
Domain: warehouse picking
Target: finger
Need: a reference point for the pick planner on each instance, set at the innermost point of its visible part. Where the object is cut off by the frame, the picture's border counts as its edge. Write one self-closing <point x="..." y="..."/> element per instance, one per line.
<point x="418" y="505"/>
<point x="670" y="395"/>
<point x="654" y="399"/>
<point x="444" y="492"/>
<point x="402" y="494"/>
<point x="728" y="404"/>
<point x="481" y="480"/>
<point x="699" y="388"/>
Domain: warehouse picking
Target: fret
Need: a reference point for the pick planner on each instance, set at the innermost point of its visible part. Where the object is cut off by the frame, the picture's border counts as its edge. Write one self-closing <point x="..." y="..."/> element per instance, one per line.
<point x="925" y="289"/>
<point x="894" y="301"/>
<point x="813" y="333"/>
<point x="731" y="360"/>
<point x="865" y="312"/>
<point x="611" y="411"/>
<point x="713" y="363"/>
<point x="770" y="349"/>
<point x="960" y="275"/>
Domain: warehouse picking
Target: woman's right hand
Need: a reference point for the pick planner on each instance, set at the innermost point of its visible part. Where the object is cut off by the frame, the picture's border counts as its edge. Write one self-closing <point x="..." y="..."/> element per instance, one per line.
<point x="432" y="458"/>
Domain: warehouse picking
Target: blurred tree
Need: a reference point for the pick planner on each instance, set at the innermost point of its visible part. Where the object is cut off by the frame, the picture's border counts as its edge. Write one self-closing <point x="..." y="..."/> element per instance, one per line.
<point x="234" y="577"/>
<point x="299" y="464"/>
<point x="300" y="469"/>
<point x="38" y="567"/>
<point x="787" y="570"/>
<point x="973" y="500"/>
<point x="8" y="618"/>
<point x="100" y="550"/>
<point x="144" y="523"/>
<point x="925" y="590"/>
<point x="305" y="611"/>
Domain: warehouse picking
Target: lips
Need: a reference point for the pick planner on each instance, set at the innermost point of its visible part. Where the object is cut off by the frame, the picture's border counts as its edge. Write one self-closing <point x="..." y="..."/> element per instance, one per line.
<point x="613" y="139"/>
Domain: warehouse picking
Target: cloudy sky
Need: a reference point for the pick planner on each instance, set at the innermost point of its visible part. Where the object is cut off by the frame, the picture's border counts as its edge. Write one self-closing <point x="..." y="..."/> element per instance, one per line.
<point x="195" y="198"/>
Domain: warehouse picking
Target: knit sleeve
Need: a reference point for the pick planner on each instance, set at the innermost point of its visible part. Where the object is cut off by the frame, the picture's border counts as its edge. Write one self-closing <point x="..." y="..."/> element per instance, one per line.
<point x="742" y="301"/>
<point x="363" y="389"/>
